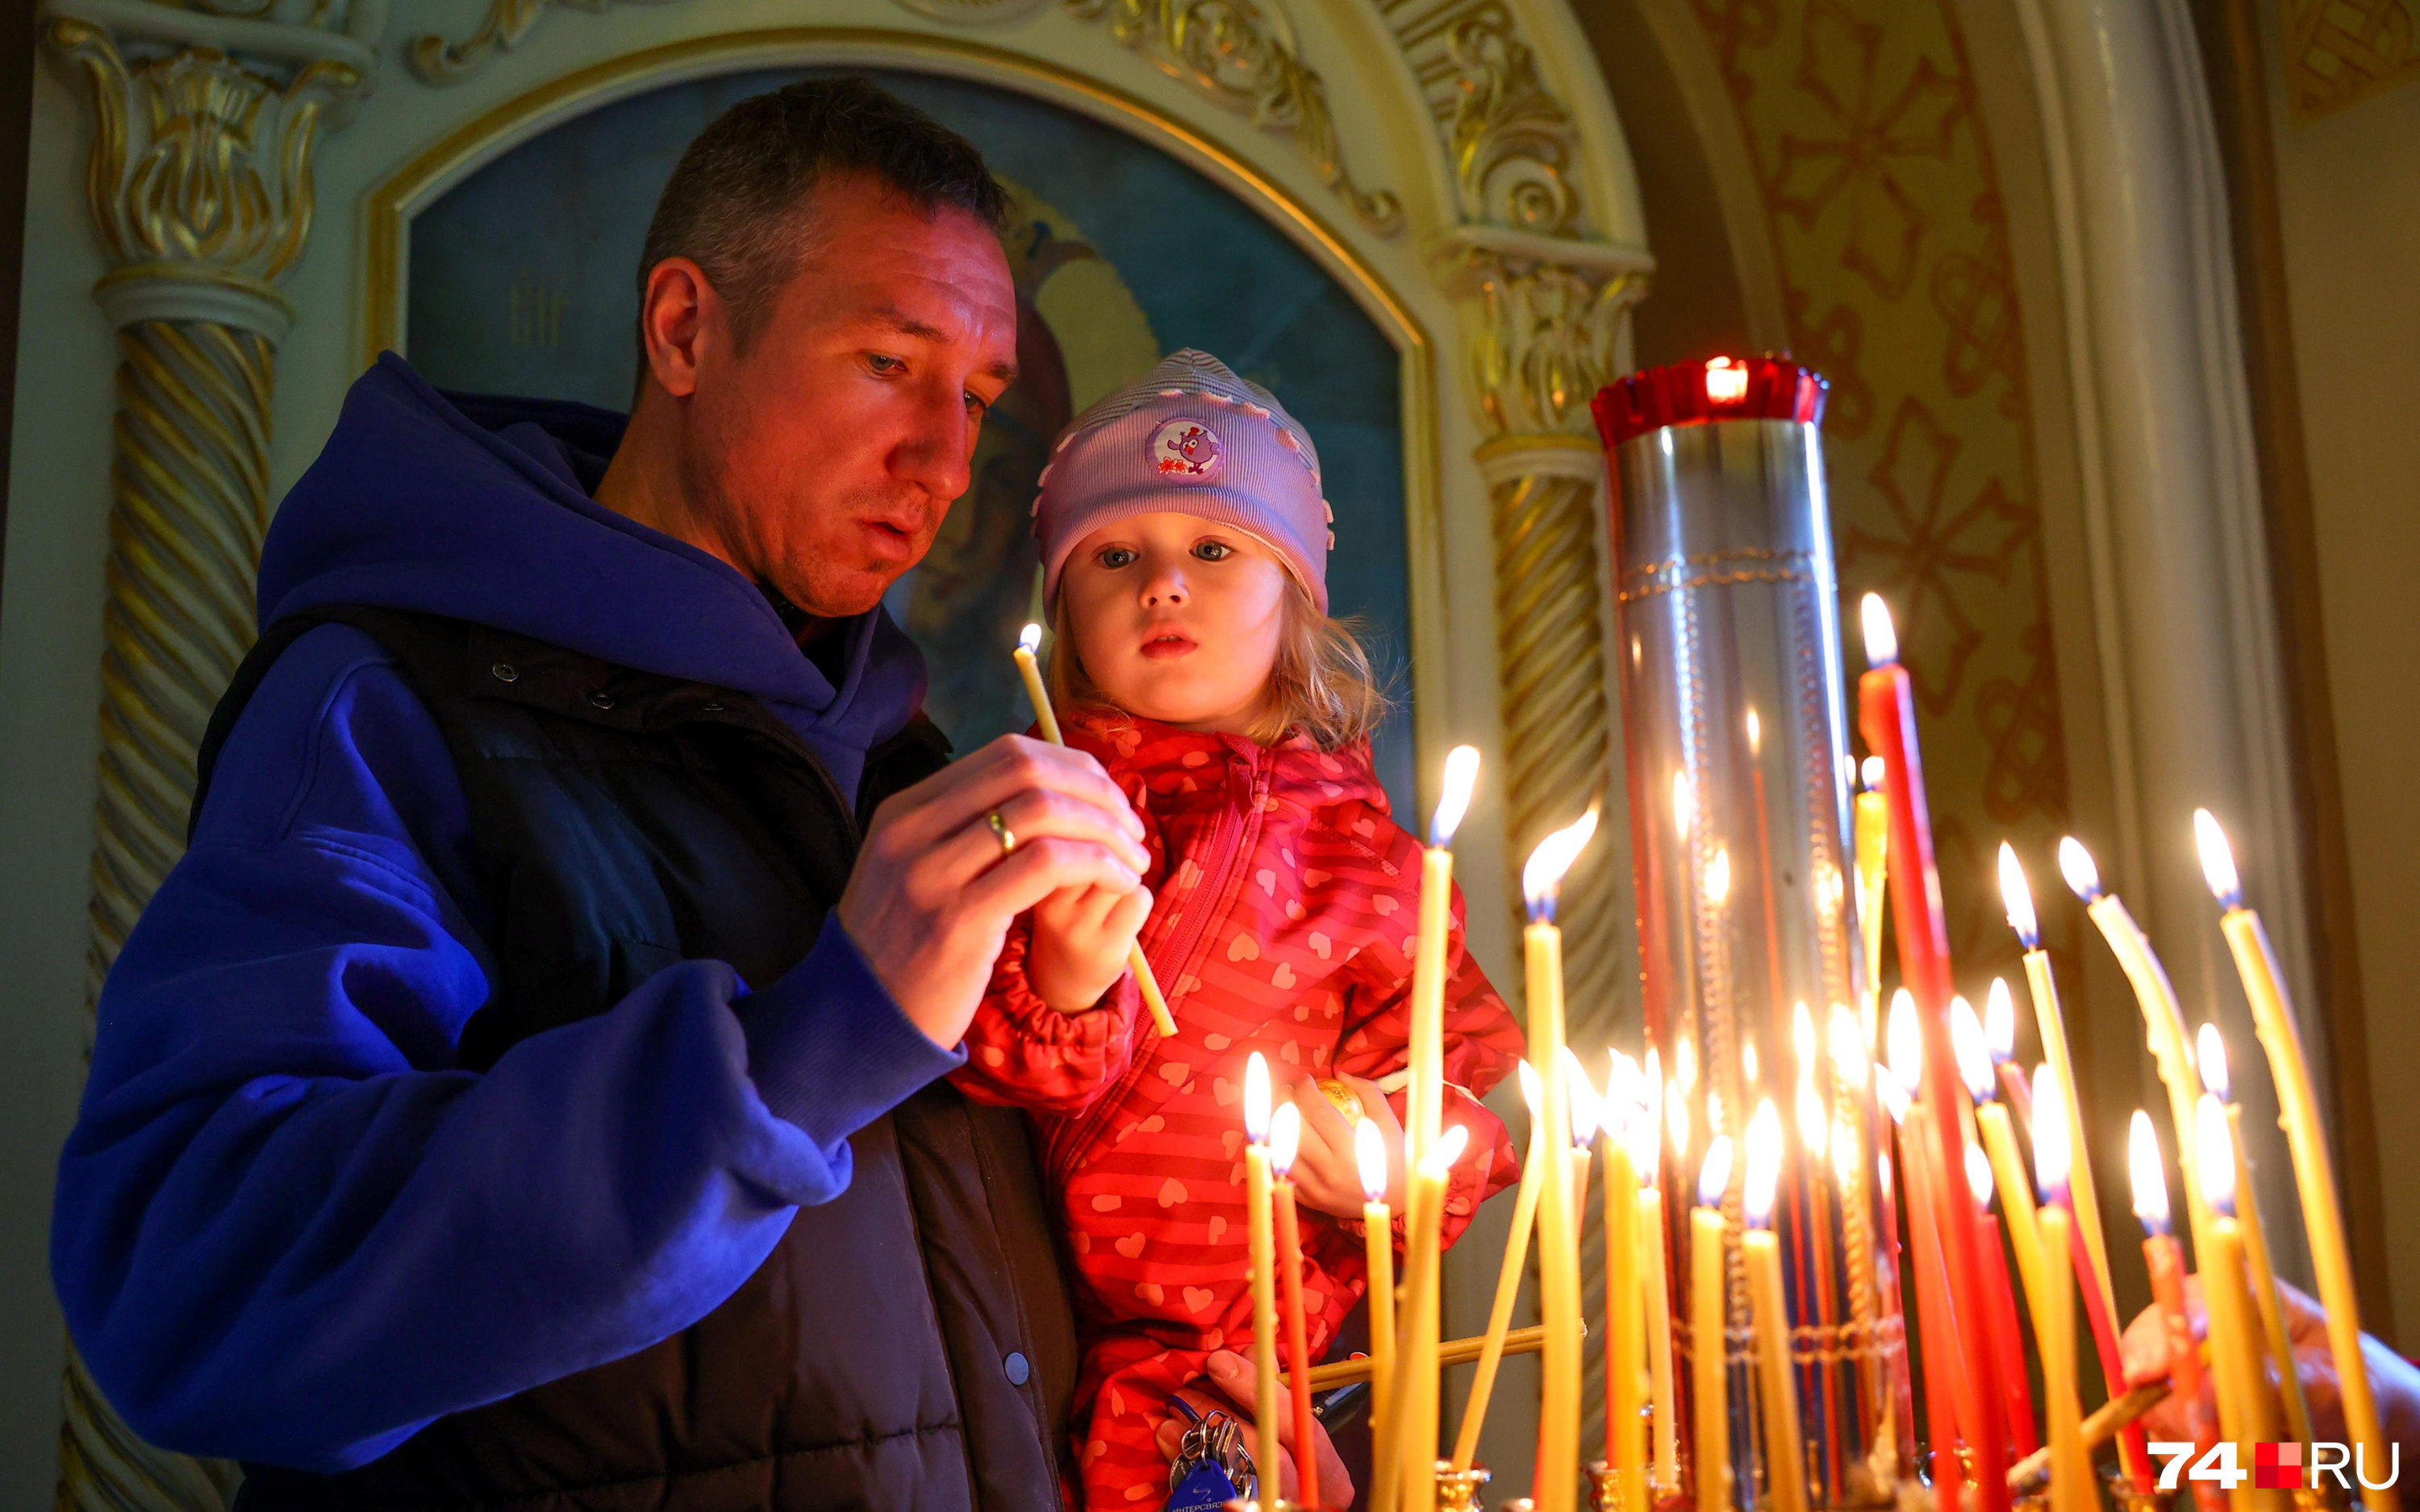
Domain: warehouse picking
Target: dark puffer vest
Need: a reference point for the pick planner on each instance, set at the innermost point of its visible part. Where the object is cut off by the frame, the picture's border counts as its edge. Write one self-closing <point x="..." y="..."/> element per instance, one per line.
<point x="907" y="1345"/>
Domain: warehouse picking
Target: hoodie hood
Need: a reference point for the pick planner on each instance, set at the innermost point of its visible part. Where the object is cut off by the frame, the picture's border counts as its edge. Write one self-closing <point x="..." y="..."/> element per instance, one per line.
<point x="478" y="508"/>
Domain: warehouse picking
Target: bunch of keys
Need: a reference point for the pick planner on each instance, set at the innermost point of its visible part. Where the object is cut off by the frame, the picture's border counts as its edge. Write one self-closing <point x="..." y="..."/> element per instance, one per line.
<point x="1212" y="1467"/>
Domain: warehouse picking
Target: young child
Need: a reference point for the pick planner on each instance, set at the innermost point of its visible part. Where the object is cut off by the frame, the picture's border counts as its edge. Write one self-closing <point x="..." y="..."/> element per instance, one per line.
<point x="1184" y="547"/>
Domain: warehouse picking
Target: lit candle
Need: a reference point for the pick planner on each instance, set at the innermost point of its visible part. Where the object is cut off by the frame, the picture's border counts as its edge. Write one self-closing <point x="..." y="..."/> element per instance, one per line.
<point x="1557" y="1488"/>
<point x="2210" y="1055"/>
<point x="1949" y="1395"/>
<point x="1625" y="1297"/>
<point x="1886" y="715"/>
<point x="2017" y="894"/>
<point x="2007" y="1346"/>
<point x="1416" y="1391"/>
<point x="2166" y="1261"/>
<point x="1285" y="1141"/>
<point x="2245" y="1413"/>
<point x="2070" y="1463"/>
<point x="1999" y="1151"/>
<point x="1667" y="1468"/>
<point x="1425" y="1108"/>
<point x="1761" y="1254"/>
<point x="1508" y="1279"/>
<point x="1027" y="642"/>
<point x="2306" y="1140"/>
<point x="1257" y="1200"/>
<point x="2163" y="1021"/>
<point x="1709" y="1342"/>
<point x="1872" y="832"/>
<point x="1378" y="1243"/>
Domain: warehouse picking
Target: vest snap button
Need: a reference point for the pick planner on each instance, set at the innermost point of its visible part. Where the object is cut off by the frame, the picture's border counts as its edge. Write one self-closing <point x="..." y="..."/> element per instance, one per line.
<point x="1020" y="1369"/>
<point x="602" y="698"/>
<point x="505" y="671"/>
<point x="713" y="708"/>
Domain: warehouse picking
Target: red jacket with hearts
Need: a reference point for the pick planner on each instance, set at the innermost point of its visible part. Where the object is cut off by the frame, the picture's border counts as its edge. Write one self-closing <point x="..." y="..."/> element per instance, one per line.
<point x="1282" y="921"/>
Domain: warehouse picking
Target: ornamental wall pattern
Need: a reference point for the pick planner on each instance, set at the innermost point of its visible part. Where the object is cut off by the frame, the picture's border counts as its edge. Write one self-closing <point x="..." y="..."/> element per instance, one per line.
<point x="1884" y="210"/>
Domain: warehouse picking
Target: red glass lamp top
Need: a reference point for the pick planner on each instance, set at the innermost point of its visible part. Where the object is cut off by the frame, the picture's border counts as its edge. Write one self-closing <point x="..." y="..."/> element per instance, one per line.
<point x="1691" y="393"/>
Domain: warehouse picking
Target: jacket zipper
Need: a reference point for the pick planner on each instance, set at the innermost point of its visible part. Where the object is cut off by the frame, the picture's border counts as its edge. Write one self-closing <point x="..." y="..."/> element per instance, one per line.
<point x="1227" y="846"/>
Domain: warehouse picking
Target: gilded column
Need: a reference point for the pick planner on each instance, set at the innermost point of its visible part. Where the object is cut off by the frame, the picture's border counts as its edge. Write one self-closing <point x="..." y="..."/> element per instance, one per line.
<point x="199" y="185"/>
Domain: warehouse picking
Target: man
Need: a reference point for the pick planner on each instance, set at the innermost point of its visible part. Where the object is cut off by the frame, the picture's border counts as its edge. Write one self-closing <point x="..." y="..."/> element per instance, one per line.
<point x="523" y="1091"/>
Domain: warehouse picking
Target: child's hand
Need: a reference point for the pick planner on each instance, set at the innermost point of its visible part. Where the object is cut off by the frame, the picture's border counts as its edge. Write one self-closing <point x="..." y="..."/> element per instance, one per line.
<point x="1080" y="940"/>
<point x="1327" y="1172"/>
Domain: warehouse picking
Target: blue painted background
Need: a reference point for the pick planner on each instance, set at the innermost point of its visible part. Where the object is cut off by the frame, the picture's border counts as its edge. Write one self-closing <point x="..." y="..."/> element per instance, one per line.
<point x="523" y="280"/>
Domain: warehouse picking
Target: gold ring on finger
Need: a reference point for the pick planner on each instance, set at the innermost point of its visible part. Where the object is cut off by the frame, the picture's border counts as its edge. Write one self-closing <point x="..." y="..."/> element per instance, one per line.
<point x="1001" y="831"/>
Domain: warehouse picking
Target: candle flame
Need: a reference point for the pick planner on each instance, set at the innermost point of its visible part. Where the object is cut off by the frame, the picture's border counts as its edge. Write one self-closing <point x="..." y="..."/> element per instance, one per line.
<point x="1676" y="1120"/>
<point x="1814" y="1120"/>
<point x="1256" y="1098"/>
<point x="2017" y="896"/>
<point x="2075" y="864"/>
<point x="1725" y="381"/>
<point x="1844" y="1151"/>
<point x="1978" y="1177"/>
<point x="2209" y="1054"/>
<point x="1581" y="1100"/>
<point x="1893" y="1093"/>
<point x="1718" y="876"/>
<point x="1763" y="1170"/>
<point x="1030" y="639"/>
<point x="1651" y="1070"/>
<point x="2150" y="1181"/>
<point x="1369" y="1154"/>
<point x="1445" y="1152"/>
<point x="1748" y="1059"/>
<point x="1453" y="797"/>
<point x="1285" y="1137"/>
<point x="1882" y="637"/>
<point x="2053" y="1152"/>
<point x="1532" y="1091"/>
<point x="2000" y="1020"/>
<point x="2214" y="1156"/>
<point x="1684" y="804"/>
<point x="1755" y="732"/>
<point x="1905" y="1039"/>
<point x="1684" y="1063"/>
<point x="1967" y="1047"/>
<point x="1872" y="772"/>
<point x="1848" y="1048"/>
<point x="1714" y="1176"/>
<point x="2217" y="859"/>
<point x="1543" y="877"/>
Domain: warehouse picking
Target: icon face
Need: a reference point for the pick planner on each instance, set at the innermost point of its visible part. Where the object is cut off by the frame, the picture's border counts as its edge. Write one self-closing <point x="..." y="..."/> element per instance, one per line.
<point x="1185" y="451"/>
<point x="2278" y="1467"/>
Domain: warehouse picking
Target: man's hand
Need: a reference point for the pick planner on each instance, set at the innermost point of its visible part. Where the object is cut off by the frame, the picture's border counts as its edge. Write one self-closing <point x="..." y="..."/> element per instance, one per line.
<point x="934" y="890"/>
<point x="1327" y="1172"/>
<point x="1080" y="939"/>
<point x="1232" y="1390"/>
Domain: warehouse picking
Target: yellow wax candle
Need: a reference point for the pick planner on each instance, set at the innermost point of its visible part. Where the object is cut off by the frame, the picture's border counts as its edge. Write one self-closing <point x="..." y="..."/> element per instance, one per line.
<point x="1667" y="1480"/>
<point x="2051" y="1026"/>
<point x="1761" y="1254"/>
<point x="1415" y="1396"/>
<point x="2245" y="1413"/>
<point x="1508" y="1285"/>
<point x="1378" y="1243"/>
<point x="2272" y="1017"/>
<point x="1146" y="983"/>
<point x="1259" y="1201"/>
<point x="1872" y="831"/>
<point x="2053" y="1302"/>
<point x="2265" y="1299"/>
<point x="1556" y="1487"/>
<point x="2016" y="1198"/>
<point x="1709" y="1343"/>
<point x="1626" y="1341"/>
<point x="2164" y="1023"/>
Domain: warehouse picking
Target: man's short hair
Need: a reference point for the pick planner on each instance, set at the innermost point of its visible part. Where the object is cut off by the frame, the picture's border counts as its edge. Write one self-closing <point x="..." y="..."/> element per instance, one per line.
<point x="736" y="202"/>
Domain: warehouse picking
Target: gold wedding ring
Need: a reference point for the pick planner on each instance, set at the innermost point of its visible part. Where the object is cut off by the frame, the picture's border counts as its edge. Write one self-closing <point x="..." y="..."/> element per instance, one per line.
<point x="1001" y="831"/>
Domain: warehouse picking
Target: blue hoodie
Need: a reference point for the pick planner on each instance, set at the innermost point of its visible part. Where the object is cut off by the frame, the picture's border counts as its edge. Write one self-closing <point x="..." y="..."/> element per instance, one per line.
<point x="290" y="1229"/>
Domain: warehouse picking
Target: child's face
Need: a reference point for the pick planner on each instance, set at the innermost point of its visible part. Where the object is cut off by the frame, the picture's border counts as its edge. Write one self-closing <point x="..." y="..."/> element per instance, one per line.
<point x="1177" y="618"/>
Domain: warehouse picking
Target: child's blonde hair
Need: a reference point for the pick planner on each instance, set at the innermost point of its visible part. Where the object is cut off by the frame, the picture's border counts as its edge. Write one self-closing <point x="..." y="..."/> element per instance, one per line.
<point x="1321" y="682"/>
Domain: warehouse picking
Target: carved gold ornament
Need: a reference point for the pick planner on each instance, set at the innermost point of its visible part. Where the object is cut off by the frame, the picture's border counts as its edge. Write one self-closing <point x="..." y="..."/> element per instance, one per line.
<point x="1245" y="57"/>
<point x="435" y="60"/>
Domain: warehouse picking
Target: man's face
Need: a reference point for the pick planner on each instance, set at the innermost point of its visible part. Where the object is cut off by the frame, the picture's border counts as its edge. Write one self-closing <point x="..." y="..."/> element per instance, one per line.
<point x="824" y="458"/>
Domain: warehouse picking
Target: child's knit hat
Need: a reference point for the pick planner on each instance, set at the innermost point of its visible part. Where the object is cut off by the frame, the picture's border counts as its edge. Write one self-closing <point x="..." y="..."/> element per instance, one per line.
<point x="1190" y="438"/>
